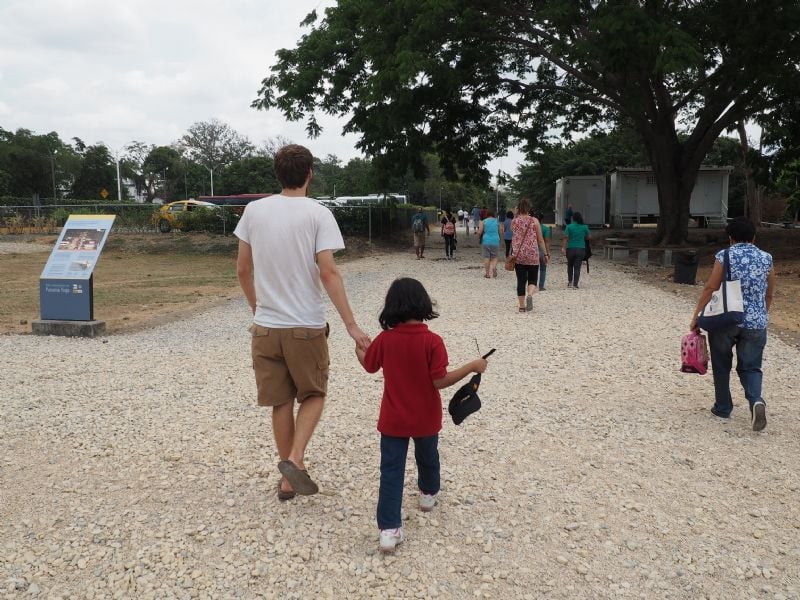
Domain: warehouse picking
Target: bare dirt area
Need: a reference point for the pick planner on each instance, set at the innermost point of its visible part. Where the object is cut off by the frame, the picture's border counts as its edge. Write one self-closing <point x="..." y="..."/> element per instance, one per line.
<point x="141" y="280"/>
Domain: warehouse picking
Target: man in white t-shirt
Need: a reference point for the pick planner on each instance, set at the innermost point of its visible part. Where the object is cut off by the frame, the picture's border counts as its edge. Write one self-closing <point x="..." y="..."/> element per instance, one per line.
<point x="286" y="246"/>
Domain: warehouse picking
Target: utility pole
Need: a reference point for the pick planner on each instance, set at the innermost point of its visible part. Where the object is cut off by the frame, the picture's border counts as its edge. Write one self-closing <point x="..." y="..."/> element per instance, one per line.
<point x="119" y="184"/>
<point x="210" y="170"/>
<point x="53" y="171"/>
<point x="164" y="186"/>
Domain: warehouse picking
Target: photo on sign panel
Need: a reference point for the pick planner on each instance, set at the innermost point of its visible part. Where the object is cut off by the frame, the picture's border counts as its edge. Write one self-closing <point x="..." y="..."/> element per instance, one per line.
<point x="81" y="240"/>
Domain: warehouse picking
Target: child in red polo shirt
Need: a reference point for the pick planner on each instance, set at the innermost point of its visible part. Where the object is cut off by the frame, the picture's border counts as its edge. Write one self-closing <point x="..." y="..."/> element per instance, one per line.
<point x="414" y="363"/>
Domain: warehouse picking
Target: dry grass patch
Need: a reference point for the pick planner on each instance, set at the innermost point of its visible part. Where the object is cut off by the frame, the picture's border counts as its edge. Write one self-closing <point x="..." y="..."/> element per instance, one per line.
<point x="140" y="280"/>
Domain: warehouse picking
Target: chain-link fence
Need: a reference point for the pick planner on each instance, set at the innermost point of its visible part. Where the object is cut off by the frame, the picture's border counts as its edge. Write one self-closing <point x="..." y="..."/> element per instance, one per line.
<point x="367" y="221"/>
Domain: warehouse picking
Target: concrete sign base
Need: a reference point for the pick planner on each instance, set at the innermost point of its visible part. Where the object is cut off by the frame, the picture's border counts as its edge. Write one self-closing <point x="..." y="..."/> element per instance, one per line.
<point x="89" y="329"/>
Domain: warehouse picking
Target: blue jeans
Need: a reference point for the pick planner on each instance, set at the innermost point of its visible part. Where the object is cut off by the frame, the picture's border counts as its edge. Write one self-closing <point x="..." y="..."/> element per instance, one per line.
<point x="393" y="467"/>
<point x="749" y="345"/>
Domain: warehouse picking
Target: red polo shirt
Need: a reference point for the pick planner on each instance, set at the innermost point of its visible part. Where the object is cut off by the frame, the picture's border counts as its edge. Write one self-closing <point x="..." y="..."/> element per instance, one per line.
<point x="411" y="357"/>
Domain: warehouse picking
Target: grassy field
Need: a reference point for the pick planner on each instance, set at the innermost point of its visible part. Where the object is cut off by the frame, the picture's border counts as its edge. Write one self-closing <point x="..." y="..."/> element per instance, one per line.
<point x="140" y="280"/>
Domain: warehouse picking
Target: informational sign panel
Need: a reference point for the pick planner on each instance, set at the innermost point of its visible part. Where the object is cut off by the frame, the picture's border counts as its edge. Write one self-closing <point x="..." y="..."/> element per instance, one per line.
<point x="65" y="286"/>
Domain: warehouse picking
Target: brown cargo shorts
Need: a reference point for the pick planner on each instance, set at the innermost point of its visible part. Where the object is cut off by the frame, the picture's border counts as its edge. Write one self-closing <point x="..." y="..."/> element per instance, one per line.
<point x="289" y="363"/>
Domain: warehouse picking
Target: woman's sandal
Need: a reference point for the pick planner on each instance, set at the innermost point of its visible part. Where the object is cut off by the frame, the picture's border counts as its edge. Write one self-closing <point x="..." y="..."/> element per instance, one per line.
<point x="522" y="310"/>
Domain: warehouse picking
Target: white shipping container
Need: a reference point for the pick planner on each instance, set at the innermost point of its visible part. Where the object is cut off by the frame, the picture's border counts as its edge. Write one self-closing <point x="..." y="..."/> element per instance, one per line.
<point x="634" y="196"/>
<point x="586" y="194"/>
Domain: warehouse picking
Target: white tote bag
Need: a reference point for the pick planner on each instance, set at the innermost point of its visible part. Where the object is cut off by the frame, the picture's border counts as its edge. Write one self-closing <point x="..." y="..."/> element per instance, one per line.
<point x="726" y="306"/>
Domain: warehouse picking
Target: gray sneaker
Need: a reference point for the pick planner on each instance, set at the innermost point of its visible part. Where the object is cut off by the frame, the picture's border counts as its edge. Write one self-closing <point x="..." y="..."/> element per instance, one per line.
<point x="759" y="416"/>
<point x="529" y="304"/>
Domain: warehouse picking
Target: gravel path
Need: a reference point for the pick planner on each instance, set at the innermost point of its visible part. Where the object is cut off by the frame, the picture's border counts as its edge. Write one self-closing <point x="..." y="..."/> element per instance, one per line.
<point x="138" y="466"/>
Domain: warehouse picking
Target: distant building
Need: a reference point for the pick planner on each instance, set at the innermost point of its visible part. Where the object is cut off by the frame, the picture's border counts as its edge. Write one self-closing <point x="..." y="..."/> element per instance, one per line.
<point x="586" y="194"/>
<point x="634" y="196"/>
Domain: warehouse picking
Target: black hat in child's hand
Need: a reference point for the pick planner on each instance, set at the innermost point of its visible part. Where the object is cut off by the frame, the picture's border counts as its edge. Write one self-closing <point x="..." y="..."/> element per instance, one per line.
<point x="466" y="400"/>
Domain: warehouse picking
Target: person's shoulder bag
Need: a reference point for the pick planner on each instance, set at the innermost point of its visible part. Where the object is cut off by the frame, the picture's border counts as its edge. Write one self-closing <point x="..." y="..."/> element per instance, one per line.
<point x="726" y="306"/>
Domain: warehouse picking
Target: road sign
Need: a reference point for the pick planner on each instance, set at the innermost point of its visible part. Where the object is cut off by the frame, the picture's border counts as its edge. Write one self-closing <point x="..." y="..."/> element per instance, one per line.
<point x="104" y="193"/>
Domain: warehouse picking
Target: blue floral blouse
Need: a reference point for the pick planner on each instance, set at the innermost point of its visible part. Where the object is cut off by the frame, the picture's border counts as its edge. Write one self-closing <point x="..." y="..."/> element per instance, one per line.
<point x="750" y="266"/>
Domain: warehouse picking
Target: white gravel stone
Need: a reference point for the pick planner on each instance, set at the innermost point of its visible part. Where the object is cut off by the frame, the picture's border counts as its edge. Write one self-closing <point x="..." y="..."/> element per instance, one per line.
<point x="141" y="467"/>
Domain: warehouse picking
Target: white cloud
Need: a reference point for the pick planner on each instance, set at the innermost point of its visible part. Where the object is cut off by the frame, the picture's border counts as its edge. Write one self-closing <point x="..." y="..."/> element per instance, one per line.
<point x="147" y="70"/>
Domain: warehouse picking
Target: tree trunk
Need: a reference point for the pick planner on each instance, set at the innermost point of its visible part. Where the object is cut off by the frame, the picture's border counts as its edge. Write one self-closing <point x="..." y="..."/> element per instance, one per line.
<point x="752" y="202"/>
<point x="674" y="182"/>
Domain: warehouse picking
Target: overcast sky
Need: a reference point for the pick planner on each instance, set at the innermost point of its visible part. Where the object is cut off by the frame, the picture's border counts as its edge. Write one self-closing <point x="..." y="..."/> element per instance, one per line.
<point x="146" y="70"/>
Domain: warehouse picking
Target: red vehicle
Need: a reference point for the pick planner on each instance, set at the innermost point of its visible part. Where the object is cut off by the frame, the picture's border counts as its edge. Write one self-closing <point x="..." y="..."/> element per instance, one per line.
<point x="236" y="201"/>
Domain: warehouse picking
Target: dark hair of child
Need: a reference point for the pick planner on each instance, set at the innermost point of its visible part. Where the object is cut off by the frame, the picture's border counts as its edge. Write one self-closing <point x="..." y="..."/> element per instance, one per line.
<point x="444" y="220"/>
<point x="406" y="300"/>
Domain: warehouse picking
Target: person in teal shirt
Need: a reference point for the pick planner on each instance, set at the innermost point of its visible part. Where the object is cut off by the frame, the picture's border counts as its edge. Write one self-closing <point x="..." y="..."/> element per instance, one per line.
<point x="491" y="231"/>
<point x="544" y="251"/>
<point x="574" y="248"/>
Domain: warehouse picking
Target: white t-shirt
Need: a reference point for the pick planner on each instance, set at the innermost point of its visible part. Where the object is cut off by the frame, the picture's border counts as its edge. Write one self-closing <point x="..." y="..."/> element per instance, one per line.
<point x="285" y="235"/>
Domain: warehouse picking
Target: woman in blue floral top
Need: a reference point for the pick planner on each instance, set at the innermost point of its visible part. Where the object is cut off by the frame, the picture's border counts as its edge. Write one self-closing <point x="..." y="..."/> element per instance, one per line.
<point x="753" y="268"/>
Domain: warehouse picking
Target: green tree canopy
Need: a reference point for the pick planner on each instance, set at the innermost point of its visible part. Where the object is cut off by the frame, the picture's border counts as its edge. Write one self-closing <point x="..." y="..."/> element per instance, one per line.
<point x="98" y="172"/>
<point x="29" y="163"/>
<point x="132" y="164"/>
<point x="214" y="144"/>
<point x="162" y="169"/>
<point x="467" y="77"/>
<point x="251" y="175"/>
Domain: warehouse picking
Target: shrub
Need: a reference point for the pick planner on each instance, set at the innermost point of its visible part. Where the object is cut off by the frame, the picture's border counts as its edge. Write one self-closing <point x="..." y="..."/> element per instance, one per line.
<point x="212" y="220"/>
<point x="59" y="216"/>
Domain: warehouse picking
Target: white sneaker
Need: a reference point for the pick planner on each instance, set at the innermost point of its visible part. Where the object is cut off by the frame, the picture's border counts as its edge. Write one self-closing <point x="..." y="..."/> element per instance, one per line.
<point x="427" y="501"/>
<point x="389" y="539"/>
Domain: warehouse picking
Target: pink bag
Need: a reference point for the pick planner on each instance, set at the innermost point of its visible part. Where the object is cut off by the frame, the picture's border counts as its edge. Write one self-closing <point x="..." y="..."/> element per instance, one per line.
<point x="694" y="353"/>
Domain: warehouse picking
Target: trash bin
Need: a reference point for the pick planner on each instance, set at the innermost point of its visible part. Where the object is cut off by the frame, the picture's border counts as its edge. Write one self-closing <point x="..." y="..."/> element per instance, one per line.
<point x="686" y="267"/>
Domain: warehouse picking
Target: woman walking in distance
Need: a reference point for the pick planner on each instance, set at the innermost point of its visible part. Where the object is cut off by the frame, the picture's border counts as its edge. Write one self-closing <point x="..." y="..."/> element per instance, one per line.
<point x="574" y="248"/>
<point x="525" y="248"/>
<point x="490" y="231"/>
<point x="449" y="235"/>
